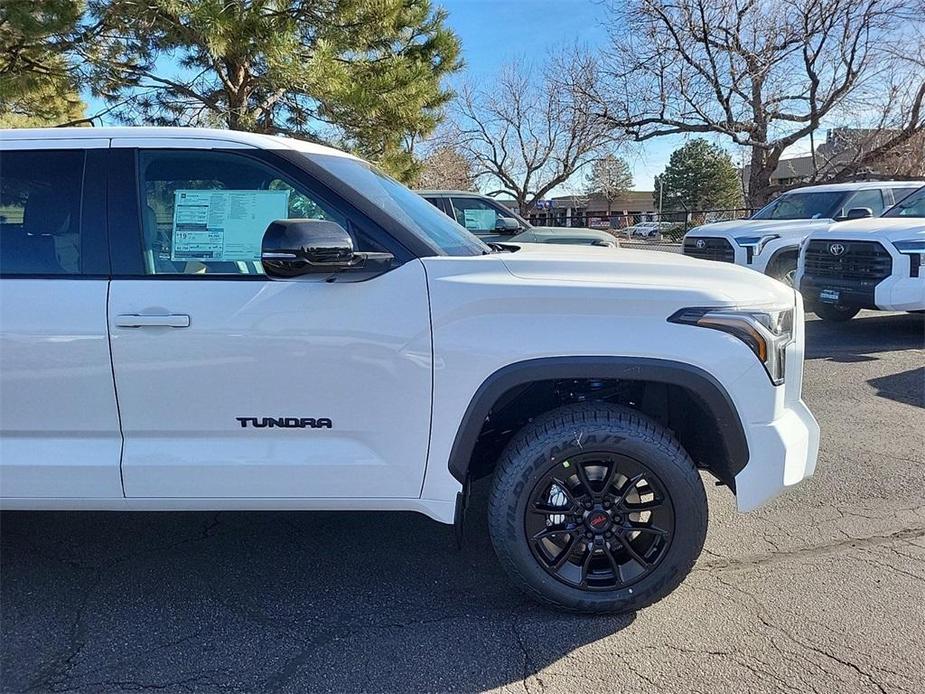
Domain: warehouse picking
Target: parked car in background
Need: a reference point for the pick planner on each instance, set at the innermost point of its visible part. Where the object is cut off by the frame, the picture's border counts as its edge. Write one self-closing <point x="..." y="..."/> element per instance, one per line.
<point x="653" y="229"/>
<point x="769" y="240"/>
<point x="221" y="320"/>
<point x="645" y="229"/>
<point x="875" y="263"/>
<point x="641" y="229"/>
<point x="491" y="221"/>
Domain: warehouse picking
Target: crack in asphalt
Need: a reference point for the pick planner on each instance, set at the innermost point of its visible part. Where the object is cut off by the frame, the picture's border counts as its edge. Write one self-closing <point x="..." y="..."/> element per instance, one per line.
<point x="756" y="609"/>
<point x="529" y="667"/>
<point x="847" y="544"/>
<point x="57" y="672"/>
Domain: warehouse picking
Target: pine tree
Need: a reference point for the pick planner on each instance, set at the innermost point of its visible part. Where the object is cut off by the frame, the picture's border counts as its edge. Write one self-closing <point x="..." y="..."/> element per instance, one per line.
<point x="361" y="75"/>
<point x="699" y="176"/>
<point x="37" y="82"/>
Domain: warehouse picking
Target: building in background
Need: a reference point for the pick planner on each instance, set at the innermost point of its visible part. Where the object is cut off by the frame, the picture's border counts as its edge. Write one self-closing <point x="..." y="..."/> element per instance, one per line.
<point x="843" y="148"/>
<point x="632" y="207"/>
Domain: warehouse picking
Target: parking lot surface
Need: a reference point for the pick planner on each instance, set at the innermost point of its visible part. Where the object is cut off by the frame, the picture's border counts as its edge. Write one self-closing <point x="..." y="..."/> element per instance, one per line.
<point x="823" y="590"/>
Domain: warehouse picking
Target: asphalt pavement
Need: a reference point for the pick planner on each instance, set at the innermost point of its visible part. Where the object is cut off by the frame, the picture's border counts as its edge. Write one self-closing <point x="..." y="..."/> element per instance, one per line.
<point x="823" y="590"/>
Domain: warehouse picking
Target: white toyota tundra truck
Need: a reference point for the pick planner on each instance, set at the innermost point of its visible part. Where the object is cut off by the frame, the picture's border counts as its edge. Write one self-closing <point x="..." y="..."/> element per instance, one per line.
<point x="196" y="319"/>
<point x="873" y="263"/>
<point x="769" y="240"/>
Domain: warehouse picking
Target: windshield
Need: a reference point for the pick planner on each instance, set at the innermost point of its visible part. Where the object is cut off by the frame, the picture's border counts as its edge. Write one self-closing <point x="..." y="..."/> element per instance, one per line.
<point x="911" y="206"/>
<point x="413" y="211"/>
<point x="818" y="205"/>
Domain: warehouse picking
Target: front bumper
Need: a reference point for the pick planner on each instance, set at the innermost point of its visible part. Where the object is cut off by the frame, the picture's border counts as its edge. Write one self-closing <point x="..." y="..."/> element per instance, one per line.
<point x="783" y="453"/>
<point x="897" y="291"/>
<point x="783" y="435"/>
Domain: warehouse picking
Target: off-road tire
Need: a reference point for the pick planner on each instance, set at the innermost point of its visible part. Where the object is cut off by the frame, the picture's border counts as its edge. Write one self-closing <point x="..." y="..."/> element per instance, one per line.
<point x="577" y="429"/>
<point x="835" y="314"/>
<point x="784" y="269"/>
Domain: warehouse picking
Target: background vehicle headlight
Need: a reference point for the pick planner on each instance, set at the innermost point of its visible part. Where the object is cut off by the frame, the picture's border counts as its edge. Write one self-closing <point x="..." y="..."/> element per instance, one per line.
<point x="915" y="249"/>
<point x="766" y="332"/>
<point x="756" y="243"/>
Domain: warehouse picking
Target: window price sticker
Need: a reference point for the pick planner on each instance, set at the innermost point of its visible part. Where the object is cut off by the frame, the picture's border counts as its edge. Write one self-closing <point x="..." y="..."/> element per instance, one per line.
<point x="223" y="225"/>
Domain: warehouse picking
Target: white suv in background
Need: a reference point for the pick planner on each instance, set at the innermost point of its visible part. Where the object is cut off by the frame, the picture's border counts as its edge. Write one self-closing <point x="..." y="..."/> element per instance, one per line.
<point x="868" y="263"/>
<point x="204" y="319"/>
<point x="769" y="240"/>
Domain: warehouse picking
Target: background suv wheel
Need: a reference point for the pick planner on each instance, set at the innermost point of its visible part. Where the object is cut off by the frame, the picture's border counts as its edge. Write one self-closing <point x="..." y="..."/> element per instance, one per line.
<point x="597" y="508"/>
<point x="784" y="269"/>
<point x="837" y="314"/>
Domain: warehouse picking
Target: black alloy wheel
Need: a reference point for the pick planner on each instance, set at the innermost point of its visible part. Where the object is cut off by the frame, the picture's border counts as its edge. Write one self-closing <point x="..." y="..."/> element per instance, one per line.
<point x="599" y="521"/>
<point x="596" y="508"/>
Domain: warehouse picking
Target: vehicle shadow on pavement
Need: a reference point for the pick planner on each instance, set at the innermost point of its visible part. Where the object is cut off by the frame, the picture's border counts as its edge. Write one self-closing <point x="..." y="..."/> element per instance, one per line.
<point x="279" y="601"/>
<point x="907" y="386"/>
<point x="866" y="335"/>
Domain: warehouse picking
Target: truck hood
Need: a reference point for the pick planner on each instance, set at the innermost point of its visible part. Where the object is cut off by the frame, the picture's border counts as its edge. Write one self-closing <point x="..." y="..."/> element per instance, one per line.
<point x="760" y="227"/>
<point x="883" y="228"/>
<point x="657" y="273"/>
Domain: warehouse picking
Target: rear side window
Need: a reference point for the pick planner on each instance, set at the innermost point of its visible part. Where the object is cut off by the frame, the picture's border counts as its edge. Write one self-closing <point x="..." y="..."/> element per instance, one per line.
<point x="40" y="212"/>
<point x="872" y="199"/>
<point x="900" y="194"/>
<point x="436" y="202"/>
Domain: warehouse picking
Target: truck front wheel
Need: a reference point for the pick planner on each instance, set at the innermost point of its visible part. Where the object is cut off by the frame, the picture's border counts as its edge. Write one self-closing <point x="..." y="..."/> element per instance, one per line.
<point x="838" y="314"/>
<point x="597" y="508"/>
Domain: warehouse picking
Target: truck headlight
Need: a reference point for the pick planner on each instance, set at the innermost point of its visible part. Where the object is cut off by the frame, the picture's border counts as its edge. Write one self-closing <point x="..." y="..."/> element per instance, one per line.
<point x="766" y="332"/>
<point x="755" y="244"/>
<point x="915" y="249"/>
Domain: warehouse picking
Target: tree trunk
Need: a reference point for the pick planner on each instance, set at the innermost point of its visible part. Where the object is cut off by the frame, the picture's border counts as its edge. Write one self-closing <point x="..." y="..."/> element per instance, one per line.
<point x="763" y="164"/>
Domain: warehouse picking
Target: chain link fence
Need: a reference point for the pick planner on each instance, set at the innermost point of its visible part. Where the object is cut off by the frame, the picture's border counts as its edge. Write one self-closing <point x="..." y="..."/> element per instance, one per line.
<point x="644" y="230"/>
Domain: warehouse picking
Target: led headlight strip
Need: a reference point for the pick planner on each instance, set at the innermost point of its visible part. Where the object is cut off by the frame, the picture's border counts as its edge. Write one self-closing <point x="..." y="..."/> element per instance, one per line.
<point x="766" y="332"/>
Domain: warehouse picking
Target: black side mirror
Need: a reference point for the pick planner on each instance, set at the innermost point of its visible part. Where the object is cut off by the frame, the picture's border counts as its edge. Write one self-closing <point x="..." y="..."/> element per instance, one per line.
<point x="297" y="247"/>
<point x="859" y="213"/>
<point x="506" y="225"/>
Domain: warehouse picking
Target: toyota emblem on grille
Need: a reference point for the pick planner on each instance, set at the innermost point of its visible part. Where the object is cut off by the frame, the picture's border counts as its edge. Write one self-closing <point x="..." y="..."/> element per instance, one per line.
<point x="700" y="243"/>
<point x="837" y="248"/>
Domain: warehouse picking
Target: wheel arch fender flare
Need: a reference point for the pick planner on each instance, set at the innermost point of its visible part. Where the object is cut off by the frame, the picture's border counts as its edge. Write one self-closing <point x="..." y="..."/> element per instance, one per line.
<point x="780" y="253"/>
<point x="706" y="390"/>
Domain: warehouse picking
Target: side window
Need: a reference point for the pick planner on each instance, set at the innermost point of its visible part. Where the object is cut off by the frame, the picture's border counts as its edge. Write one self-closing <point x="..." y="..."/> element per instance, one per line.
<point x="438" y="203"/>
<point x="871" y="198"/>
<point x="899" y="193"/>
<point x="40" y="194"/>
<point x="474" y="214"/>
<point x="204" y="212"/>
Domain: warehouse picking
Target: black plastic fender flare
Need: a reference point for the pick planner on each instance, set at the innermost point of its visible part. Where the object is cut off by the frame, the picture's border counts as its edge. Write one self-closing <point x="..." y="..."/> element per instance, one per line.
<point x="776" y="255"/>
<point x="705" y="389"/>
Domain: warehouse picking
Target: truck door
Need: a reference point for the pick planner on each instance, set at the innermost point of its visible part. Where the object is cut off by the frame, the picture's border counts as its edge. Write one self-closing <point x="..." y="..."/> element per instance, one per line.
<point x="234" y="385"/>
<point x="59" y="426"/>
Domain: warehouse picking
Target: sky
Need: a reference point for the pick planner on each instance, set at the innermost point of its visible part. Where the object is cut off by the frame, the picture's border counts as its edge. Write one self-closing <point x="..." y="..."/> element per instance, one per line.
<point x="495" y="32"/>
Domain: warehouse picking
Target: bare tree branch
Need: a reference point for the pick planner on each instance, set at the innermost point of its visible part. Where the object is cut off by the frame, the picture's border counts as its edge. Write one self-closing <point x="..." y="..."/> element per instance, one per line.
<point x="526" y="135"/>
<point x="763" y="74"/>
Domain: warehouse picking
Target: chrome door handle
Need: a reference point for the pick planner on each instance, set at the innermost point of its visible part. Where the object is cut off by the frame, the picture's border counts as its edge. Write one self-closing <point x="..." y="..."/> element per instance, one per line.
<point x="135" y="320"/>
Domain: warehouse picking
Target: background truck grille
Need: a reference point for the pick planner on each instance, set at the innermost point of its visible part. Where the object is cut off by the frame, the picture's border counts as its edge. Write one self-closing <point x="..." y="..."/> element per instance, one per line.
<point x="860" y="260"/>
<point x="713" y="249"/>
